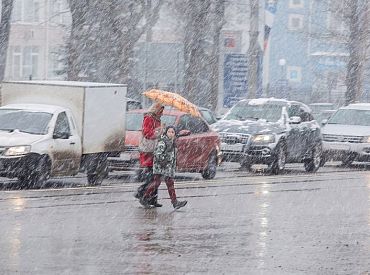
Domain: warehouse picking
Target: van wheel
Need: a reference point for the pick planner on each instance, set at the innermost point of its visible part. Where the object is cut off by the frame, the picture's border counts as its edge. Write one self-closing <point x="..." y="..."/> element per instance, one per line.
<point x="210" y="171"/>
<point x="313" y="164"/>
<point x="278" y="164"/>
<point x="324" y="159"/>
<point x="37" y="175"/>
<point x="98" y="173"/>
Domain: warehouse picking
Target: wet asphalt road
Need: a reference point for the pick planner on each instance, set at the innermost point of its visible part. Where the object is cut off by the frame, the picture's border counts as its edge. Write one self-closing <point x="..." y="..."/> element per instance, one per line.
<point x="238" y="223"/>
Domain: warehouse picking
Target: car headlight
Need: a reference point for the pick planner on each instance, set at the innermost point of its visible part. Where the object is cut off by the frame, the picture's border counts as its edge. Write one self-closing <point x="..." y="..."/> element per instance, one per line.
<point x="262" y="139"/>
<point x="17" y="150"/>
<point x="366" y="139"/>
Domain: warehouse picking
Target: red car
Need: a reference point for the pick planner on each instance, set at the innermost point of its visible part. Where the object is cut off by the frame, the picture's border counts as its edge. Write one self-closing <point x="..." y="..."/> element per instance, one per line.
<point x="197" y="152"/>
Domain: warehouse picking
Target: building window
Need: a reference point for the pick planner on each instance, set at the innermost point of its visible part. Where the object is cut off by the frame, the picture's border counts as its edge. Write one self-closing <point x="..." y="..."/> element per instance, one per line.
<point x="336" y="21"/>
<point x="59" y="11"/>
<point x="295" y="22"/>
<point x="296" y="4"/>
<point x="24" y="62"/>
<point x="294" y="73"/>
<point x="26" y="11"/>
<point x="30" y="62"/>
<point x="55" y="63"/>
<point x="17" y="62"/>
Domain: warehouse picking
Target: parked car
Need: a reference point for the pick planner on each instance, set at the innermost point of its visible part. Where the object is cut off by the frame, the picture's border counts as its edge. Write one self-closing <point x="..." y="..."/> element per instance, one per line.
<point x="133" y="104"/>
<point x="270" y="131"/>
<point x="317" y="108"/>
<point x="208" y="115"/>
<point x="347" y="134"/>
<point x="322" y="111"/>
<point x="324" y="115"/>
<point x="197" y="152"/>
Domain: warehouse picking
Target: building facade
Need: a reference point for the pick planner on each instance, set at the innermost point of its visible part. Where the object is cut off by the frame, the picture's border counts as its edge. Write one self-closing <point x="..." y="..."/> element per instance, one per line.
<point x="307" y="55"/>
<point x="37" y="39"/>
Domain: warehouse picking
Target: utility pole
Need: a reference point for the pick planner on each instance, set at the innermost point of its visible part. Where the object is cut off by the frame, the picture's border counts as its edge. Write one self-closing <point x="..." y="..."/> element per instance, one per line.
<point x="253" y="50"/>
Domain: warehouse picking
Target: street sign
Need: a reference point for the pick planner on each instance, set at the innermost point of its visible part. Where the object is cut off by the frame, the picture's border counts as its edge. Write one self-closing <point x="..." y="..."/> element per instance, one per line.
<point x="235" y="78"/>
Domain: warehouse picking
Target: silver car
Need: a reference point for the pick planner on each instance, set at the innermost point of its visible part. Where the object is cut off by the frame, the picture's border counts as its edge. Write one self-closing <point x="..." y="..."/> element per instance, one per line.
<point x="346" y="134"/>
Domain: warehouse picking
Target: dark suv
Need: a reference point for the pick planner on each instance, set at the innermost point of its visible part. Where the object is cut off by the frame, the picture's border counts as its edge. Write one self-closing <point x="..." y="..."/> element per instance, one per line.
<point x="270" y="131"/>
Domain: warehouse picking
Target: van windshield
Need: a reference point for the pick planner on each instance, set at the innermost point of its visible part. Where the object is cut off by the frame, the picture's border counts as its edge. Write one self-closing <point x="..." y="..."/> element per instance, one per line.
<point x="351" y="117"/>
<point x="135" y="120"/>
<point x="24" y="121"/>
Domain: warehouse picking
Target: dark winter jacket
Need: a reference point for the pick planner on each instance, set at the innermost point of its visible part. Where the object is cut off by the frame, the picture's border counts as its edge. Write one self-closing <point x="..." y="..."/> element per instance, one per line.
<point x="165" y="157"/>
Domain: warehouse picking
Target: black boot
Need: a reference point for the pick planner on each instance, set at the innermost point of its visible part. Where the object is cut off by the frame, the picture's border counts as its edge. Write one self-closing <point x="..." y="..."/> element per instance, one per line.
<point x="154" y="200"/>
<point x="148" y="179"/>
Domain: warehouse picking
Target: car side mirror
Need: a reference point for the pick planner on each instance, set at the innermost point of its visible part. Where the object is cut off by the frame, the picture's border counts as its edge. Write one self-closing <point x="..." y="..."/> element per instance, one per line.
<point x="295" y="120"/>
<point x="218" y="117"/>
<point x="60" y="135"/>
<point x="324" y="121"/>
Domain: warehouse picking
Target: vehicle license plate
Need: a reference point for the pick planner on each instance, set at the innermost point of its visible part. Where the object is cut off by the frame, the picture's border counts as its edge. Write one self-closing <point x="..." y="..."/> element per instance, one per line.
<point x="231" y="147"/>
<point x="339" y="147"/>
<point x="125" y="156"/>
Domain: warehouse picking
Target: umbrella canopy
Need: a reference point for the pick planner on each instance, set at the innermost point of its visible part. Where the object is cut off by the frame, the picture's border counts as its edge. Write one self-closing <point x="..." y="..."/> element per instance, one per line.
<point x="174" y="100"/>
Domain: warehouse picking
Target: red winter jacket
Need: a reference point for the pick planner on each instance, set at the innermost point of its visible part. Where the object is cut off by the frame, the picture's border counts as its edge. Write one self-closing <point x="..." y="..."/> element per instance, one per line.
<point x="150" y="123"/>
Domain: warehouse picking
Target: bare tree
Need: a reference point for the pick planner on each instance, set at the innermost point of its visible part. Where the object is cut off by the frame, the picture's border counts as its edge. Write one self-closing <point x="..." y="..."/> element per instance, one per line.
<point x="6" y="12"/>
<point x="348" y="26"/>
<point x="103" y="36"/>
<point x="203" y="21"/>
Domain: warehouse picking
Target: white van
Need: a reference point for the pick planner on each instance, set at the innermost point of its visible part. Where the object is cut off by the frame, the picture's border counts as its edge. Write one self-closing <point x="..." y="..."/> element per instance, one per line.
<point x="59" y="128"/>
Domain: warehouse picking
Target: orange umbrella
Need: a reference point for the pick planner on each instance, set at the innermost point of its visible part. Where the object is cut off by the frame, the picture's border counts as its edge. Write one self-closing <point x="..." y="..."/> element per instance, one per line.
<point x="174" y="100"/>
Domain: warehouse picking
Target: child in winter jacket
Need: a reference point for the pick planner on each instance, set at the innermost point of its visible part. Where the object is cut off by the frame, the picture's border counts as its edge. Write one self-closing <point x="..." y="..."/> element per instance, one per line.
<point x="164" y="165"/>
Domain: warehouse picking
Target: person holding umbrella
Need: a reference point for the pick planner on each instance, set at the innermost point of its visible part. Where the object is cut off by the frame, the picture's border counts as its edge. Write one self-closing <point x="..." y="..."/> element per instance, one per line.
<point x="151" y="131"/>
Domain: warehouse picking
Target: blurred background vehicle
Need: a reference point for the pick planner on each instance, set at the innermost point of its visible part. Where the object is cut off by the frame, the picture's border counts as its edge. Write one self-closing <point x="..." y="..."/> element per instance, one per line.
<point x="324" y="115"/>
<point x="322" y="111"/>
<point x="347" y="134"/>
<point x="197" y="152"/>
<point x="133" y="104"/>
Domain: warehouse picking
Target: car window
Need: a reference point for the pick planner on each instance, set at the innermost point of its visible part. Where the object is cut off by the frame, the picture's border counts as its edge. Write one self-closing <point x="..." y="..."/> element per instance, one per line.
<point x="193" y="124"/>
<point x="208" y="116"/>
<point x="25" y="121"/>
<point x="62" y="124"/>
<point x="294" y="110"/>
<point x="300" y="111"/>
<point x="351" y="117"/>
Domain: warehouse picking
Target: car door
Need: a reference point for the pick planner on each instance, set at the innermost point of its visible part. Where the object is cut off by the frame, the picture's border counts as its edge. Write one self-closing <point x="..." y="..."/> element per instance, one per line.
<point x="187" y="145"/>
<point x="296" y="134"/>
<point x="311" y="129"/>
<point x="204" y="142"/>
<point x="66" y="147"/>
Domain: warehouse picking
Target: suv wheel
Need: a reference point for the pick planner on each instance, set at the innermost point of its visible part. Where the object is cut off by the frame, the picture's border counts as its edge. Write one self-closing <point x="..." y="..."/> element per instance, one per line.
<point x="324" y="159"/>
<point x="245" y="165"/>
<point x="313" y="164"/>
<point x="347" y="160"/>
<point x="279" y="161"/>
